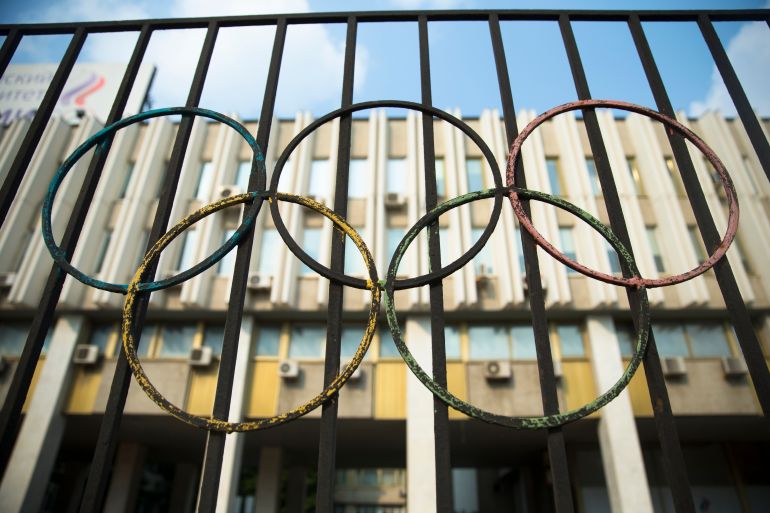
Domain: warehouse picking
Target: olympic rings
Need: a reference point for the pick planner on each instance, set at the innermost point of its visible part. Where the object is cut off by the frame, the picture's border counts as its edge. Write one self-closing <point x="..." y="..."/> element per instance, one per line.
<point x="672" y="124"/>
<point x="400" y="284"/>
<point x="545" y="421"/>
<point x="101" y="140"/>
<point x="129" y="344"/>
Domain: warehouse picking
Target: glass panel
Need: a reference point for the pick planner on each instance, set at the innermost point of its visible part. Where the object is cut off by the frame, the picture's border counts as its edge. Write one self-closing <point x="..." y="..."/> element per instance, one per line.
<point x="187" y="253"/>
<point x="568" y="245"/>
<point x="12" y="338"/>
<point x="318" y="183"/>
<point x="387" y="346"/>
<point x="636" y="177"/>
<point x="523" y="343"/>
<point x="395" y="174"/>
<point x="100" y="336"/>
<point x="205" y="181"/>
<point x="483" y="261"/>
<point x="213" y="337"/>
<point x="242" y="175"/>
<point x="126" y="180"/>
<point x="612" y="256"/>
<point x="440" y="178"/>
<point x="267" y="263"/>
<point x="177" y="340"/>
<point x="670" y="340"/>
<point x="103" y="250"/>
<point x="307" y="342"/>
<point x="145" y="342"/>
<point x="465" y="489"/>
<point x="358" y="178"/>
<point x="697" y="245"/>
<point x="227" y="264"/>
<point x="354" y="261"/>
<point x="519" y="251"/>
<point x="708" y="340"/>
<point x="626" y="338"/>
<point x="268" y="341"/>
<point x="350" y="340"/>
<point x="488" y="343"/>
<point x="593" y="176"/>
<point x="475" y="178"/>
<point x="452" y="342"/>
<point x="571" y="341"/>
<point x="394" y="236"/>
<point x="311" y="243"/>
<point x="552" y="165"/>
<point x="656" y="255"/>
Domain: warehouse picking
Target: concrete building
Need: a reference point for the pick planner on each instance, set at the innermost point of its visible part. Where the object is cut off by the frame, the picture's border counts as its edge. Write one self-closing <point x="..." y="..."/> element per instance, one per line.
<point x="385" y="438"/>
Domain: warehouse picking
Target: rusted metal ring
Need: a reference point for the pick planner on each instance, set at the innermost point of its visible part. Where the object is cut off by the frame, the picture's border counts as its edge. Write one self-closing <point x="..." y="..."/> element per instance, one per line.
<point x="539" y="422"/>
<point x="672" y="124"/>
<point x="212" y="424"/>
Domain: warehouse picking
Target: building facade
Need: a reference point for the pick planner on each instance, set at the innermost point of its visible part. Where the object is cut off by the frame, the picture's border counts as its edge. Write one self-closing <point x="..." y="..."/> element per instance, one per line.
<point x="385" y="443"/>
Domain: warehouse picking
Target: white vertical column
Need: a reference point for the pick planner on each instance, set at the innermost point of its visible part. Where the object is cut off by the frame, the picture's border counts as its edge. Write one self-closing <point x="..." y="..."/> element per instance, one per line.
<point x="618" y="439"/>
<point x="454" y="175"/>
<point x="420" y="448"/>
<point x="371" y="226"/>
<point x="325" y="250"/>
<point x="268" y="480"/>
<point x="37" y="445"/>
<point x="12" y="137"/>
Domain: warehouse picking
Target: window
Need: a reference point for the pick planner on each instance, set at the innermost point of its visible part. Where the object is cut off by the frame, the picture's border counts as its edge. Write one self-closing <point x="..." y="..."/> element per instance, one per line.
<point x="570" y="341"/>
<point x="242" y="175"/>
<point x="388" y="348"/>
<point x="395" y="175"/>
<point x="519" y="250"/>
<point x="568" y="245"/>
<point x="350" y="339"/>
<point x="612" y="256"/>
<point x="227" y="264"/>
<point x="187" y="252"/>
<point x="13" y="335"/>
<point x="523" y="343"/>
<point x="205" y="181"/>
<point x="676" y="179"/>
<point x="144" y="238"/>
<point x="103" y="250"/>
<point x="307" y="342"/>
<point x="177" y="340"/>
<point x="126" y="180"/>
<point x="100" y="336"/>
<point x="213" y="337"/>
<point x="394" y="236"/>
<point x="318" y="183"/>
<point x="354" y="260"/>
<point x="311" y="242"/>
<point x="440" y="178"/>
<point x="147" y="339"/>
<point x="473" y="171"/>
<point x="636" y="177"/>
<point x="267" y="262"/>
<point x="268" y="341"/>
<point x="359" y="177"/>
<point x="697" y="245"/>
<point x="656" y="254"/>
<point x="488" y="343"/>
<point x="626" y="338"/>
<point x="452" y="342"/>
<point x="694" y="339"/>
<point x="593" y="177"/>
<point x="554" y="176"/>
<point x="483" y="261"/>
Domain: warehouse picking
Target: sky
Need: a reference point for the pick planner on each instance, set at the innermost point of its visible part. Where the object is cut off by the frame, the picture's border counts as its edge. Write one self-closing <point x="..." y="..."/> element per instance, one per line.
<point x="387" y="66"/>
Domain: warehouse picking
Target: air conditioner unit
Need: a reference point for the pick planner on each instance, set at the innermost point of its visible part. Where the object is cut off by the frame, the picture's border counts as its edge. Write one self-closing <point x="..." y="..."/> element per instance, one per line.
<point x="356" y="373"/>
<point x="525" y="286"/>
<point x="6" y="280"/>
<point x="558" y="372"/>
<point x="394" y="200"/>
<point x="734" y="367"/>
<point x="673" y="367"/>
<point x="201" y="357"/>
<point x="225" y="191"/>
<point x="288" y="369"/>
<point x="484" y="272"/>
<point x="497" y="370"/>
<point x="259" y="281"/>
<point x="86" y="354"/>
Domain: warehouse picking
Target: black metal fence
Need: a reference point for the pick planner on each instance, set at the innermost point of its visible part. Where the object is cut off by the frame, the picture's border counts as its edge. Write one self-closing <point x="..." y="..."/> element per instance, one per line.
<point x="676" y="475"/>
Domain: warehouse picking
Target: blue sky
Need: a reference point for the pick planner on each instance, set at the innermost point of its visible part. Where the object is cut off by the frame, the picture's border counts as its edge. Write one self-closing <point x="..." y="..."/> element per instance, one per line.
<point x="463" y="74"/>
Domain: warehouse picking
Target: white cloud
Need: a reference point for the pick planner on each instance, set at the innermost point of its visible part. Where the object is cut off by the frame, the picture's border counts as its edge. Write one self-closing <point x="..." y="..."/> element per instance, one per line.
<point x="749" y="53"/>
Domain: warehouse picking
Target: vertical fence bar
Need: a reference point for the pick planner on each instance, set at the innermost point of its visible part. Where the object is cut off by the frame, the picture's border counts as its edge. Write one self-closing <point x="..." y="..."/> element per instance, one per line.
<point x="35" y="131"/>
<point x="557" y="451"/>
<point x="442" y="450"/>
<point x="739" y="314"/>
<point x="327" y="443"/>
<point x="215" y="440"/>
<point x="664" y="420"/>
<point x="41" y="323"/>
<point x="737" y="94"/>
<point x="10" y="44"/>
<point x="99" y="472"/>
